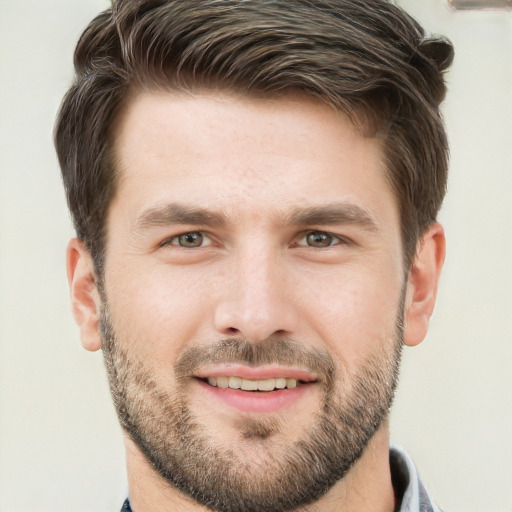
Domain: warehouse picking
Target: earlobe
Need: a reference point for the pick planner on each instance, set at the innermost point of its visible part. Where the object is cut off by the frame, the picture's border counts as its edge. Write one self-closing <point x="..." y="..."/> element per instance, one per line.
<point x="85" y="298"/>
<point x="422" y="284"/>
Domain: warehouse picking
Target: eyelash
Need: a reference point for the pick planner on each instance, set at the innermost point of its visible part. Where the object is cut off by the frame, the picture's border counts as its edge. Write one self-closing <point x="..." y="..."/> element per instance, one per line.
<point x="333" y="239"/>
<point x="170" y="240"/>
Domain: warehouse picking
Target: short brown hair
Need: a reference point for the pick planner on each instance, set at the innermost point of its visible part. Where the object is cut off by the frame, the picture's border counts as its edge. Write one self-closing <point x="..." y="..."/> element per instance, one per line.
<point x="367" y="58"/>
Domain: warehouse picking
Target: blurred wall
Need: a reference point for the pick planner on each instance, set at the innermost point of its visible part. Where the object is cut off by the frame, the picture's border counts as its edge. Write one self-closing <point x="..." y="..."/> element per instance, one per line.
<point x="60" y="445"/>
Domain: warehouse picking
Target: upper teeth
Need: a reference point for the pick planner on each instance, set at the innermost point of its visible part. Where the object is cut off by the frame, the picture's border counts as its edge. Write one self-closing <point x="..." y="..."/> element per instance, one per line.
<point x="252" y="385"/>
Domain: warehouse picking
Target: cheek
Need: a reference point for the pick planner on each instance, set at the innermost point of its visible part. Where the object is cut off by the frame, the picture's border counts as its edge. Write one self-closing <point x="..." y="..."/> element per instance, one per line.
<point x="156" y="312"/>
<point x="354" y="313"/>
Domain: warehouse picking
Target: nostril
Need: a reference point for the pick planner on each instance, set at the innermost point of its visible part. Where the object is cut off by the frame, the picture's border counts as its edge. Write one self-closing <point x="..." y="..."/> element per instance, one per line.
<point x="255" y="320"/>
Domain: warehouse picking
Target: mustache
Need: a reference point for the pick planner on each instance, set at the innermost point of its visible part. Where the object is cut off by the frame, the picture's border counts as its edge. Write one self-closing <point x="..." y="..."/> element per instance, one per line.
<point x="240" y="351"/>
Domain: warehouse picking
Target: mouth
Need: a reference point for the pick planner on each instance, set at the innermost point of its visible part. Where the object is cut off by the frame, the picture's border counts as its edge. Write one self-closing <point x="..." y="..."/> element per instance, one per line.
<point x="261" y="390"/>
<point x="225" y="382"/>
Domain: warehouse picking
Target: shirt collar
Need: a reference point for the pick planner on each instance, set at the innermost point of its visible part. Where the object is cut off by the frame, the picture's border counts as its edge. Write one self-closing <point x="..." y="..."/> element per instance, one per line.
<point x="409" y="489"/>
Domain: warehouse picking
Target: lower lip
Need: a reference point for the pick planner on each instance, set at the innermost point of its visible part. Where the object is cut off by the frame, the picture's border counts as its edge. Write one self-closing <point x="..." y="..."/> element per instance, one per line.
<point x="257" y="401"/>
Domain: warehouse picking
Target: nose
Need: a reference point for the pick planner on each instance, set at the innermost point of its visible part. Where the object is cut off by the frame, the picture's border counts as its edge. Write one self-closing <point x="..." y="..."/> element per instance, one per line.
<point x="255" y="301"/>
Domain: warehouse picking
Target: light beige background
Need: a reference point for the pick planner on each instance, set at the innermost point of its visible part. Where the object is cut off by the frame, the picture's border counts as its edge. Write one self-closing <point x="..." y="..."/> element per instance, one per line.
<point x="60" y="445"/>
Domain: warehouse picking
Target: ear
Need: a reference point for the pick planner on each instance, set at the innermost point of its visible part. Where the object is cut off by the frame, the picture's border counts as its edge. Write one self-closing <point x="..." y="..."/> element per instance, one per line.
<point x="85" y="298"/>
<point x="422" y="284"/>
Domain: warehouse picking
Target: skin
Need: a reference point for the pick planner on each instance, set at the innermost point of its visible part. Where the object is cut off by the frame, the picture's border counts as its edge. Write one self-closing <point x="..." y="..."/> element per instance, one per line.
<point x="261" y="165"/>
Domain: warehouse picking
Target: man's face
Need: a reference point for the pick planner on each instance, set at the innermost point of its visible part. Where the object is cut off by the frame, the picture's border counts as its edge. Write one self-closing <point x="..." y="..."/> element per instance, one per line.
<point x="252" y="244"/>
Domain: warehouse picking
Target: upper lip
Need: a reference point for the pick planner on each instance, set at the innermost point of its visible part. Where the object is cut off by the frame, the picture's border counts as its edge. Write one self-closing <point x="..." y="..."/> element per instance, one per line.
<point x="255" y="372"/>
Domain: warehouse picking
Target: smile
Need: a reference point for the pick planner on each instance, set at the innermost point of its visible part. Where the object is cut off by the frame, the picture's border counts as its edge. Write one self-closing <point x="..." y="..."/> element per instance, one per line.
<point x="257" y="389"/>
<point x="225" y="382"/>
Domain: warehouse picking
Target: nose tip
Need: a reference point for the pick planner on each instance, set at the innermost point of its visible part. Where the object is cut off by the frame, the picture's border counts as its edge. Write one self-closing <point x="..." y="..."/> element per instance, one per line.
<point x="255" y="301"/>
<point x="255" y="322"/>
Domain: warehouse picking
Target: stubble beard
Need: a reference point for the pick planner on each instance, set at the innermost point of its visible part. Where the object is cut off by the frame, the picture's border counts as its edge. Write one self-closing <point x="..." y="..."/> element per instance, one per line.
<point x="182" y="450"/>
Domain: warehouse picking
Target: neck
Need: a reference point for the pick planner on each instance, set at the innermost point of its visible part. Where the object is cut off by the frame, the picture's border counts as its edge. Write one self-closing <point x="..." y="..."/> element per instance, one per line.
<point x="366" y="487"/>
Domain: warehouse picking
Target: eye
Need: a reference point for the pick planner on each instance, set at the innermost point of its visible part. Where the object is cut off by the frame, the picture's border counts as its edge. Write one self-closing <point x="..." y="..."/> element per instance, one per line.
<point x="319" y="239"/>
<point x="190" y="240"/>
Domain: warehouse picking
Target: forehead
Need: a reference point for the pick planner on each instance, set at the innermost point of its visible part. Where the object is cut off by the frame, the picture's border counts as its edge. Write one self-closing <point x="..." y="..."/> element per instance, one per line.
<point x="225" y="152"/>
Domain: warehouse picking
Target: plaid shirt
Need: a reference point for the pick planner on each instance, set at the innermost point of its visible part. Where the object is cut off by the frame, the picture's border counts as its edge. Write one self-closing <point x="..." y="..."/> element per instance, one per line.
<point x="406" y="481"/>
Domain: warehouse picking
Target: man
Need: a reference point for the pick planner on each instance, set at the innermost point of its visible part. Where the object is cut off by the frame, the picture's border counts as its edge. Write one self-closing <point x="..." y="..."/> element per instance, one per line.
<point x="254" y="186"/>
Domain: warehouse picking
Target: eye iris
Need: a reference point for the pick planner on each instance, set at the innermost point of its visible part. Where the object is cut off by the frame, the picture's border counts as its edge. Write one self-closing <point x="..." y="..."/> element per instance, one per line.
<point x="191" y="240"/>
<point x="318" y="239"/>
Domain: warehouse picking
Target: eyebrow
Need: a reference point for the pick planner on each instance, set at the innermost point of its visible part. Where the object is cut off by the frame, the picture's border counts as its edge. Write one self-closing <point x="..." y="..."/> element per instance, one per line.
<point x="330" y="214"/>
<point x="175" y="213"/>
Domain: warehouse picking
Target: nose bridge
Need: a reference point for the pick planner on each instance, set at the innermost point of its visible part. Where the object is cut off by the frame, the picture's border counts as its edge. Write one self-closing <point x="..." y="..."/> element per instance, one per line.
<point x="259" y="284"/>
<point x="255" y="304"/>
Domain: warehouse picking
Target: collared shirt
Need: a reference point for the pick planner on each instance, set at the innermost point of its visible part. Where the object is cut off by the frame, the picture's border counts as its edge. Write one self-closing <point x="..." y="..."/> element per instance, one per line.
<point x="409" y="489"/>
<point x="412" y="496"/>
